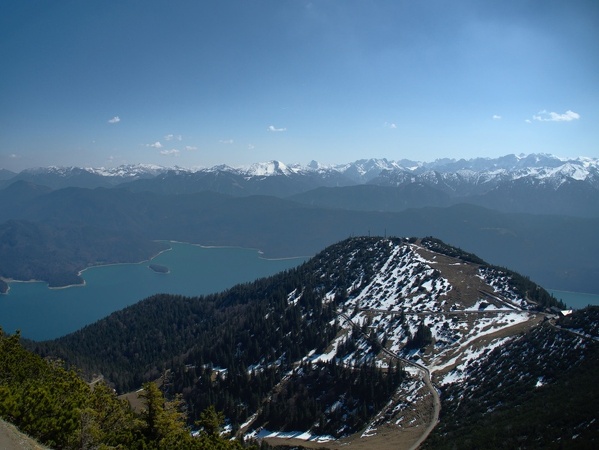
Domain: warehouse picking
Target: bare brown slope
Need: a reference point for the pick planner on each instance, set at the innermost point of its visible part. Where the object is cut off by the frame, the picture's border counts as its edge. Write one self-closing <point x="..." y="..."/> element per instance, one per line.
<point x="12" y="439"/>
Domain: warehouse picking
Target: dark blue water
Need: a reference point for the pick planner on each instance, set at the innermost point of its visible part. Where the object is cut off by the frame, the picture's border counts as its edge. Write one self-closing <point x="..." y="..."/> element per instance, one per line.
<point x="41" y="313"/>
<point x="575" y="300"/>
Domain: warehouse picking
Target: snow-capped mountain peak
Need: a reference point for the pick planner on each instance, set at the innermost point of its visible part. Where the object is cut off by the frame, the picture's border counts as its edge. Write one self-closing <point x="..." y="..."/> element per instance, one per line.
<point x="270" y="168"/>
<point x="130" y="170"/>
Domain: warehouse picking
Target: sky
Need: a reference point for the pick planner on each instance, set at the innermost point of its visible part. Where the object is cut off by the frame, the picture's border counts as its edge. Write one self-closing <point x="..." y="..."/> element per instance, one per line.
<point x="201" y="83"/>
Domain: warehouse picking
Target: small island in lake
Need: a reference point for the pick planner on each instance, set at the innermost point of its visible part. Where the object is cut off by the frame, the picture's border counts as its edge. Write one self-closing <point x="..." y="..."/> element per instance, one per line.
<point x="158" y="268"/>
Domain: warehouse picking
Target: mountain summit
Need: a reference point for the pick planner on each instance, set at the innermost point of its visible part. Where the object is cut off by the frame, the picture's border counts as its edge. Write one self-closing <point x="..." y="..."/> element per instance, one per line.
<point x="347" y="346"/>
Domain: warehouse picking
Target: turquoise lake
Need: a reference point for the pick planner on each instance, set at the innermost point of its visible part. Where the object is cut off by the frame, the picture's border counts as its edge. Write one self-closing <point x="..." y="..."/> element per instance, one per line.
<point x="41" y="313"/>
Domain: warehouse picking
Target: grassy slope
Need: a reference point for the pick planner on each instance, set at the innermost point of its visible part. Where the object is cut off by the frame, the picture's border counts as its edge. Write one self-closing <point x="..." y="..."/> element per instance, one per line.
<point x="12" y="439"/>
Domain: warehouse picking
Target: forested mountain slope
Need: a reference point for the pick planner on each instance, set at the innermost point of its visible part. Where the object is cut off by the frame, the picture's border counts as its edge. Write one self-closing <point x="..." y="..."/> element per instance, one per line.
<point x="56" y="407"/>
<point x="346" y="343"/>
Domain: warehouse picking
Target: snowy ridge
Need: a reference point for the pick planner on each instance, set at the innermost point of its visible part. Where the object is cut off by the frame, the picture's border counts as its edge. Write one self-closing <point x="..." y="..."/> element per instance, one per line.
<point x="486" y="174"/>
<point x="393" y="289"/>
<point x="271" y="168"/>
<point x="380" y="171"/>
<point x="406" y="279"/>
<point x="409" y="289"/>
<point x="129" y="170"/>
<point x="123" y="171"/>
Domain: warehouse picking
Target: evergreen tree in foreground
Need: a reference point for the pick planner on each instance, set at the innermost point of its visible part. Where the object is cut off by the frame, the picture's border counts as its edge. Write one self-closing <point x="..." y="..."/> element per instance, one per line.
<point x="56" y="407"/>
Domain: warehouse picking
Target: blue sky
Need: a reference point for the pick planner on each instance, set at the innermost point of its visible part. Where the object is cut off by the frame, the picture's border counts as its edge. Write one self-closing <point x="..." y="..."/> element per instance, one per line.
<point x="199" y="83"/>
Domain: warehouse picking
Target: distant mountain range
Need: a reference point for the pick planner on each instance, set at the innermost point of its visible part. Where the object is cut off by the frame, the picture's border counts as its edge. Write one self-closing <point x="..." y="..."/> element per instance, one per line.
<point x="359" y="172"/>
<point x="536" y="183"/>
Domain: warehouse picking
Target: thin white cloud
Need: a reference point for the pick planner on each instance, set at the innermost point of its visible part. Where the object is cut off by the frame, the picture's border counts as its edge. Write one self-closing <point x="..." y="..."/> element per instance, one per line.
<point x="190" y="148"/>
<point x="390" y="125"/>
<point x="251" y="147"/>
<point x="156" y="144"/>
<point x="226" y="141"/>
<point x="546" y="116"/>
<point x="171" y="152"/>
<point x="496" y="117"/>
<point x="13" y="156"/>
<point x="528" y="121"/>
<point x="115" y="119"/>
<point x="173" y="137"/>
<point x="275" y="129"/>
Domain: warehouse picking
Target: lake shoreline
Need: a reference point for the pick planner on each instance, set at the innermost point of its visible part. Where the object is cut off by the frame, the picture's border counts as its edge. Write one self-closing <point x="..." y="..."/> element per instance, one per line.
<point x="237" y="247"/>
<point x="41" y="313"/>
<point x="574" y="299"/>
<point x="80" y="273"/>
<point x="9" y="281"/>
<point x="571" y="292"/>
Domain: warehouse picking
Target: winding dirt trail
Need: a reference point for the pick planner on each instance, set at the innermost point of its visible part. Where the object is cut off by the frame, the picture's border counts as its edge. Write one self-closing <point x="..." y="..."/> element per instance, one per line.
<point x="426" y="378"/>
<point x="436" y="410"/>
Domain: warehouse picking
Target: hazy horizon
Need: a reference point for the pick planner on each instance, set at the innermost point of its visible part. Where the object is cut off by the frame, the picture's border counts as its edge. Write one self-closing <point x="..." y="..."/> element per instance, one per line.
<point x="196" y="84"/>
